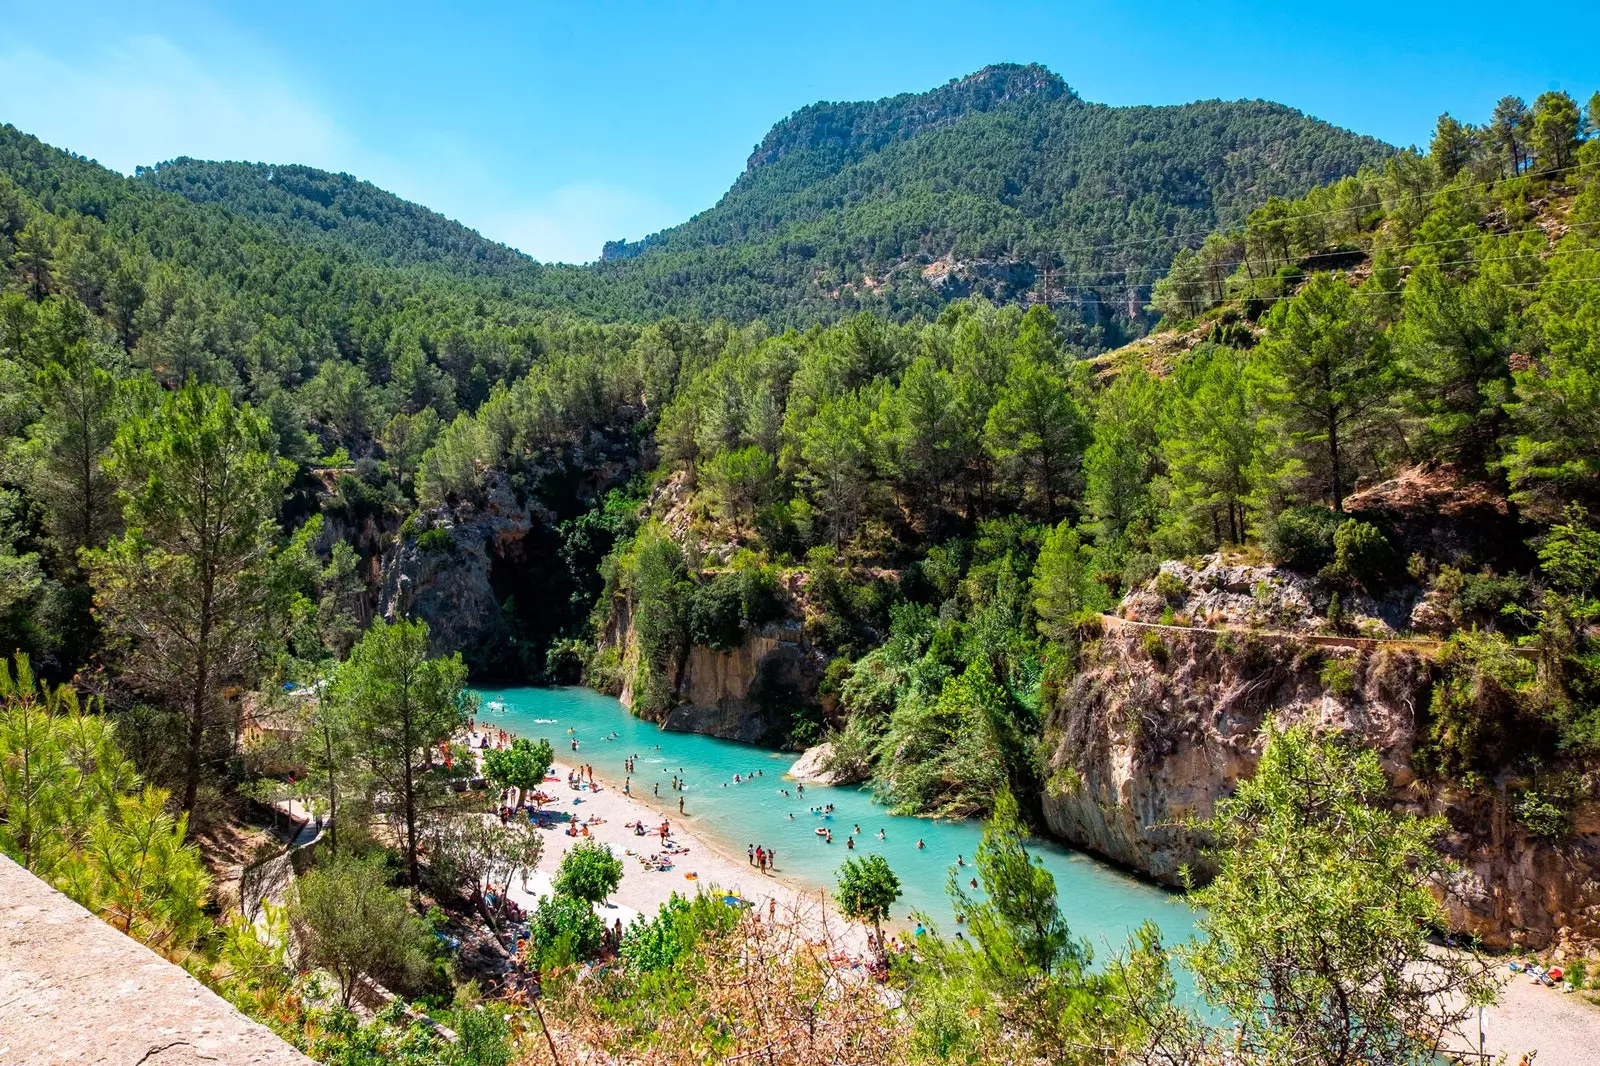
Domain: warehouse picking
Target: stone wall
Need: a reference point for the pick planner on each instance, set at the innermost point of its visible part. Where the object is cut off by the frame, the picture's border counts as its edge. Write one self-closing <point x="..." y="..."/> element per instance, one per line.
<point x="75" y="990"/>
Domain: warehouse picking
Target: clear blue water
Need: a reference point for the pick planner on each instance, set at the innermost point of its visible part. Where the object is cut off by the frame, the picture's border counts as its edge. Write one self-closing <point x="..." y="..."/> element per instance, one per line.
<point x="1102" y="904"/>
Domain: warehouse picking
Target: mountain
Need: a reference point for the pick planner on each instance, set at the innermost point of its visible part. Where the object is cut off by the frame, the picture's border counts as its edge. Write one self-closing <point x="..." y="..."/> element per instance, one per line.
<point x="315" y="203"/>
<point x="898" y="206"/>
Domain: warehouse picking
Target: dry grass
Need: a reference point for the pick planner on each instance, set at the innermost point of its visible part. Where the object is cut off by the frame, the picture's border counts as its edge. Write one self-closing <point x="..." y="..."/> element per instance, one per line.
<point x="777" y="992"/>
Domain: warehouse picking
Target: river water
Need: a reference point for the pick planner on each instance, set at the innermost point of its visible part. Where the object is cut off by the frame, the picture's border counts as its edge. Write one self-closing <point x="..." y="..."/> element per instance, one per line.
<point x="1102" y="904"/>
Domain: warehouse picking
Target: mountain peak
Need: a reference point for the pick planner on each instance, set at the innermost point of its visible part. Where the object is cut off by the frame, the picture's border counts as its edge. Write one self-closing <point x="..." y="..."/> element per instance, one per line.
<point x="845" y="131"/>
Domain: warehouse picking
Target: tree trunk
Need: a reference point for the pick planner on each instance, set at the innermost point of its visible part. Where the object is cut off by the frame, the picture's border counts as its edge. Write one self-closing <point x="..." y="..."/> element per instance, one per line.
<point x="1337" y="487"/>
<point x="333" y="792"/>
<point x="197" y="727"/>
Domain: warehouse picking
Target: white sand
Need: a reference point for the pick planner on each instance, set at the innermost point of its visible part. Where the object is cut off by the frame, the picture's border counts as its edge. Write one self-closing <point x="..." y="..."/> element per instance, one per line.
<point x="644" y="890"/>
<point x="1563" y="1029"/>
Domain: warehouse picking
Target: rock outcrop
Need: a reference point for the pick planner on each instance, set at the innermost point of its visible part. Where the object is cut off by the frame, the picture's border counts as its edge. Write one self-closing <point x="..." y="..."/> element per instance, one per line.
<point x="748" y="693"/>
<point x="1162" y="723"/>
<point x="446" y="582"/>
<point x="812" y="768"/>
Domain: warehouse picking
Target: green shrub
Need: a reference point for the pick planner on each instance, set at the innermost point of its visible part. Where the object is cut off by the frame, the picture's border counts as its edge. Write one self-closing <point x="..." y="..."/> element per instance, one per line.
<point x="564" y="929"/>
<point x="1171" y="588"/>
<point x="758" y="595"/>
<point x="1338" y="677"/>
<point x="588" y="872"/>
<point x="1541" y="815"/>
<point x="1477" y="703"/>
<point x="1362" y="556"/>
<point x="1155" y="647"/>
<point x="435" y="540"/>
<point x="715" y="610"/>
<point x="653" y="944"/>
<point x="1301" y="538"/>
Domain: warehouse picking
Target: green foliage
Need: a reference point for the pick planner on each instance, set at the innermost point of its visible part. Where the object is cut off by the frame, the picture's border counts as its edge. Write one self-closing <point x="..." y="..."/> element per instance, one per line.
<point x="1476" y="718"/>
<point x="400" y="704"/>
<point x="348" y="921"/>
<point x="435" y="540"/>
<point x="564" y="929"/>
<point x="74" y="813"/>
<point x="1338" y="676"/>
<point x="656" y="944"/>
<point x="588" y="872"/>
<point x="1544" y="816"/>
<point x="867" y="890"/>
<point x="1171" y="588"/>
<point x="1362" y="556"/>
<point x="1301" y="538"/>
<point x="715" y="609"/>
<point x="1330" y="365"/>
<point x="1315" y="930"/>
<point x="186" y="588"/>
<point x="521" y="766"/>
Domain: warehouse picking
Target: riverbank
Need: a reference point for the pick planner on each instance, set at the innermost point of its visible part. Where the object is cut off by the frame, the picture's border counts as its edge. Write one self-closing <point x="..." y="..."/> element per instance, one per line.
<point x="725" y="814"/>
<point x="610" y="815"/>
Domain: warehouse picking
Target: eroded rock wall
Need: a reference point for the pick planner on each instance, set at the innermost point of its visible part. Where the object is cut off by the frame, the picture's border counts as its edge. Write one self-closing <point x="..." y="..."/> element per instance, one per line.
<point x="1153" y="732"/>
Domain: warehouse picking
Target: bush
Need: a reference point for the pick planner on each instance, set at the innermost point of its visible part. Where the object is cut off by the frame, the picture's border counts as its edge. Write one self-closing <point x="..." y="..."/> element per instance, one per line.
<point x="1338" y="677"/>
<point x="758" y="596"/>
<point x="715" y="608"/>
<point x="1477" y="703"/>
<point x="435" y="540"/>
<point x="588" y="872"/>
<point x="657" y="943"/>
<point x="1155" y="647"/>
<point x="1301" y="538"/>
<point x="564" y="929"/>
<point x="1171" y="588"/>
<point x="1541" y="815"/>
<point x="1361" y="555"/>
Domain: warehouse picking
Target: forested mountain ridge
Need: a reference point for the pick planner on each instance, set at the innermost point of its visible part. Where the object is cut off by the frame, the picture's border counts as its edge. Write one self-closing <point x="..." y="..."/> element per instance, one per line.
<point x="978" y="187"/>
<point x="307" y="201"/>
<point x="898" y="206"/>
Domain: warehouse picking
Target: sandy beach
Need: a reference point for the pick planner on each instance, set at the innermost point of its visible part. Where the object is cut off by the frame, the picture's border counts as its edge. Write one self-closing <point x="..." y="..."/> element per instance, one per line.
<point x="643" y="890"/>
<point x="1563" y="1029"/>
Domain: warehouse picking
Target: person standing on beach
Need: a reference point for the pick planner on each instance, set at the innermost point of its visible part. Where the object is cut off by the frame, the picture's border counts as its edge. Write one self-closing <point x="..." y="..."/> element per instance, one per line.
<point x="750" y="852"/>
<point x="772" y="858"/>
<point x="680" y="804"/>
<point x="657" y="787"/>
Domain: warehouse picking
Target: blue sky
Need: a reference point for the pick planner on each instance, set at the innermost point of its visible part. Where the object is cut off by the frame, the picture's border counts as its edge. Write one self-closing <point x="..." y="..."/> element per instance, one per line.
<point x="554" y="127"/>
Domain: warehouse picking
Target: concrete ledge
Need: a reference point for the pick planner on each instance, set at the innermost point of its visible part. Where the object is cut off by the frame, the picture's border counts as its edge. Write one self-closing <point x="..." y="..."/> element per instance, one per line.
<point x="75" y="990"/>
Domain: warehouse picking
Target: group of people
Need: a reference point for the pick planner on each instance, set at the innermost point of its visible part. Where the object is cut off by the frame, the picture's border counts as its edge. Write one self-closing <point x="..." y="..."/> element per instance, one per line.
<point x="582" y="777"/>
<point x="763" y="858"/>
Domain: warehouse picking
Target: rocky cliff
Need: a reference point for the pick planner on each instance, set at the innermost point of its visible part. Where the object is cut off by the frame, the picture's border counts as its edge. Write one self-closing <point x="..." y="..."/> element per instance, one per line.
<point x="748" y="693"/>
<point x="445" y="580"/>
<point x="1162" y="722"/>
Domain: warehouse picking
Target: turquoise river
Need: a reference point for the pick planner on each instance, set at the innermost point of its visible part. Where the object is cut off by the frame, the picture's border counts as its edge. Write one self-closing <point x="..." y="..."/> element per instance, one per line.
<point x="1102" y="904"/>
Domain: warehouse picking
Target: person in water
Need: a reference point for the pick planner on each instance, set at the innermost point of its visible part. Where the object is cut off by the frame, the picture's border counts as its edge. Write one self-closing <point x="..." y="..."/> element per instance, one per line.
<point x="920" y="844"/>
<point x="850" y="842"/>
<point x="880" y="834"/>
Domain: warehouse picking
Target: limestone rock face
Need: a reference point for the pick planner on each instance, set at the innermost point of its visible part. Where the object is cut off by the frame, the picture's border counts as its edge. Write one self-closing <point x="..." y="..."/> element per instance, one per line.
<point x="448" y="586"/>
<point x="1147" y="738"/>
<point x="748" y="693"/>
